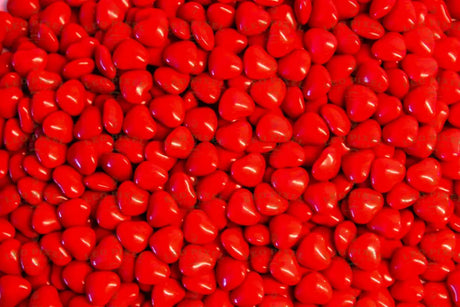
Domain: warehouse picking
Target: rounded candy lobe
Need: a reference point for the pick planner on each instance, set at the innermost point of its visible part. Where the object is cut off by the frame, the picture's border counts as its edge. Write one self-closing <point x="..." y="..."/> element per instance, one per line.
<point x="312" y="252"/>
<point x="131" y="199"/>
<point x="241" y="208"/>
<point x="148" y="269"/>
<point x="135" y="85"/>
<point x="258" y="64"/>
<point x="386" y="173"/>
<point x="268" y="201"/>
<point x="295" y="65"/>
<point x="166" y="243"/>
<point x="250" y="292"/>
<point x="248" y="170"/>
<point x="100" y="286"/>
<point x="365" y="251"/>
<point x="402" y="132"/>
<point x="138" y="123"/>
<point x="425" y="175"/>
<point x="251" y="19"/>
<point x="235" y="104"/>
<point x="364" y="204"/>
<point x="108" y="254"/>
<point x="313" y="289"/>
<point x="310" y="129"/>
<point x="284" y="267"/>
<point x="230" y="273"/>
<point x="194" y="153"/>
<point x="223" y="64"/>
<point x="198" y="228"/>
<point x="14" y="289"/>
<point x="321" y="44"/>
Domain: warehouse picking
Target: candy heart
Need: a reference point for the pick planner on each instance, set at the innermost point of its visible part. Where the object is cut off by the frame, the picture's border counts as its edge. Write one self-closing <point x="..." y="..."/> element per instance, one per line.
<point x="235" y="136"/>
<point x="386" y="173"/>
<point x="439" y="214"/>
<point x="13" y="290"/>
<point x="198" y="228"/>
<point x="419" y="68"/>
<point x="284" y="267"/>
<point x="312" y="252"/>
<point x="380" y="8"/>
<point x="79" y="241"/>
<point x="364" y="251"/>
<point x="447" y="146"/>
<point x="268" y="201"/>
<point x="339" y="273"/>
<point x="401" y="132"/>
<point x="168" y="293"/>
<point x="315" y="196"/>
<point x="438" y="246"/>
<point x="367" y="27"/>
<point x="310" y="129"/>
<point x="251" y="19"/>
<point x="317" y="83"/>
<point x="234" y="243"/>
<point x="148" y="269"/>
<point x="204" y="87"/>
<point x="248" y="170"/>
<point x="241" y="208"/>
<point x="364" y="204"/>
<point x="420" y="102"/>
<point x="313" y="289"/>
<point x="285" y="231"/>
<point x="258" y="64"/>
<point x="235" y="104"/>
<point x="195" y="260"/>
<point x="129" y="55"/>
<point x="102" y="260"/>
<point x="321" y="44"/>
<point x="401" y="18"/>
<point x="387" y="222"/>
<point x="356" y="165"/>
<point x="344" y="234"/>
<point x="407" y="262"/>
<point x="157" y="23"/>
<point x="166" y="243"/>
<point x="230" y="273"/>
<point x="162" y="209"/>
<point x="250" y="292"/>
<point x="327" y="165"/>
<point x="290" y="182"/>
<point x="323" y="14"/>
<point x="181" y="189"/>
<point x="135" y="85"/>
<point x="182" y="55"/>
<point x="366" y="134"/>
<point x="425" y="175"/>
<point x="281" y="39"/>
<point x="134" y="235"/>
<point x="361" y="103"/>
<point x="223" y="64"/>
<point x="420" y="40"/>
<point x="268" y="93"/>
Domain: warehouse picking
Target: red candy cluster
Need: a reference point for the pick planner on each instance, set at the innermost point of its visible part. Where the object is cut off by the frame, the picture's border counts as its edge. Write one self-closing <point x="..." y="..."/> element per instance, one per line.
<point x="272" y="153"/>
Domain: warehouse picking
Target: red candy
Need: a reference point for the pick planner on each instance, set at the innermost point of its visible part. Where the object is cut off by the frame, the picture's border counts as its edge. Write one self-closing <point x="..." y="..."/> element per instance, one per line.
<point x="230" y="153"/>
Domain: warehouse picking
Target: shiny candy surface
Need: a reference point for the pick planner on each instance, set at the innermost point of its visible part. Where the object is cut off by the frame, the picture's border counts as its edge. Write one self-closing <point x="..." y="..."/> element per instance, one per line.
<point x="207" y="153"/>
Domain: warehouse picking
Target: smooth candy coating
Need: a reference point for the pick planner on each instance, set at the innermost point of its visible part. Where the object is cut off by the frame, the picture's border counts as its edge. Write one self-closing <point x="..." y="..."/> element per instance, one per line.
<point x="318" y="288"/>
<point x="266" y="152"/>
<point x="365" y="252"/>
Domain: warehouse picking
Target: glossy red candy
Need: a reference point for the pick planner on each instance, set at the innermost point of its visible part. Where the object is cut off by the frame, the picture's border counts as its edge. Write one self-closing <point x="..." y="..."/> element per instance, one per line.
<point x="289" y="153"/>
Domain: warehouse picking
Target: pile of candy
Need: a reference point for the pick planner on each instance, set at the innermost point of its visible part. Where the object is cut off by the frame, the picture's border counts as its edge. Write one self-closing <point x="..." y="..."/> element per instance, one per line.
<point x="273" y="153"/>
